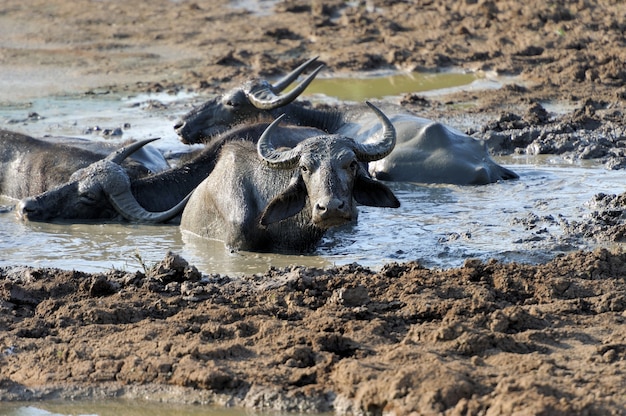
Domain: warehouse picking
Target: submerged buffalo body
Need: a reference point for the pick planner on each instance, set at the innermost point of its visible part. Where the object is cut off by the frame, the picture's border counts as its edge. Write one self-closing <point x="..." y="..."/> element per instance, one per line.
<point x="29" y="166"/>
<point x="426" y="151"/>
<point x="263" y="199"/>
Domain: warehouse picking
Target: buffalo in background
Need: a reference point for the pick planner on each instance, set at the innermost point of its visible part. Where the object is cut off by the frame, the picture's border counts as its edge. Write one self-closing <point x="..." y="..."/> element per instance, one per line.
<point x="29" y="166"/>
<point x="426" y="151"/>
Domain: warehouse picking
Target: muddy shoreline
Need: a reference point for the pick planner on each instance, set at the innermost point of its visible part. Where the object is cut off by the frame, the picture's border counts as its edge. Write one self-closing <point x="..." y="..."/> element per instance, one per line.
<point x="486" y="338"/>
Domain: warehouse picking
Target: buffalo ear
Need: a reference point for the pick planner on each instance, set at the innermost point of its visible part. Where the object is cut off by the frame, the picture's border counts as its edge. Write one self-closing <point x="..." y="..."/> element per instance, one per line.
<point x="286" y="204"/>
<point x="372" y="193"/>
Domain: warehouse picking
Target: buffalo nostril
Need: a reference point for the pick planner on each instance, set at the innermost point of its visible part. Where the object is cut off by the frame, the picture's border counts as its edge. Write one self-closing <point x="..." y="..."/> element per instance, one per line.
<point x="331" y="208"/>
<point x="179" y="125"/>
<point x="27" y="206"/>
<point x="23" y="206"/>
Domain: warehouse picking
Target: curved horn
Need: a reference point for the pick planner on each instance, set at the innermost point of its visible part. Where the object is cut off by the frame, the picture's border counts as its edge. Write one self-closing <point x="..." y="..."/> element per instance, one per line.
<point x="119" y="155"/>
<point x="277" y="159"/>
<point x="263" y="96"/>
<point x="291" y="77"/>
<point x="376" y="151"/>
<point x="127" y="206"/>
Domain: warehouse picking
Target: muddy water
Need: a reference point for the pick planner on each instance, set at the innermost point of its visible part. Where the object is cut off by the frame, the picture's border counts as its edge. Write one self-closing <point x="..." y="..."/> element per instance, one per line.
<point x="440" y="226"/>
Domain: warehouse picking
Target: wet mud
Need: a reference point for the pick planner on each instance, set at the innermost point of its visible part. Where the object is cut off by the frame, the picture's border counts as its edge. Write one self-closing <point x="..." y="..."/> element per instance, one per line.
<point x="486" y="338"/>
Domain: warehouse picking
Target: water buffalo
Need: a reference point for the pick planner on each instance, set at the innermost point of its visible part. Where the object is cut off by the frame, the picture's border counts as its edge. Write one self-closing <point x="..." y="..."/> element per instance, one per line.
<point x="426" y="151"/>
<point x="259" y="198"/>
<point x="104" y="191"/>
<point x="29" y="166"/>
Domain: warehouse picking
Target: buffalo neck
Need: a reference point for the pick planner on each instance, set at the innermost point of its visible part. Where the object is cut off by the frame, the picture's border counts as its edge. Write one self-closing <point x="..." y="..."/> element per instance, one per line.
<point x="327" y="120"/>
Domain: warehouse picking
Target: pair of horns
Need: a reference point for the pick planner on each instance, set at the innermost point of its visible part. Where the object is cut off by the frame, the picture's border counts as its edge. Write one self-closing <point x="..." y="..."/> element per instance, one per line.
<point x="266" y="96"/>
<point x="123" y="200"/>
<point x="288" y="159"/>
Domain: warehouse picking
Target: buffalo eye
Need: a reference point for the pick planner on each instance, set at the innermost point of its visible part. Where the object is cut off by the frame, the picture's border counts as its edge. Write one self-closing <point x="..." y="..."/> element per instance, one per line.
<point x="232" y="103"/>
<point x="354" y="165"/>
<point x="304" y="169"/>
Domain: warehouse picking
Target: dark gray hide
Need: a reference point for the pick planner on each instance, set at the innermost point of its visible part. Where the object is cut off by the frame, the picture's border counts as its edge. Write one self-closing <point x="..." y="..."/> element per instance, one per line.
<point x="103" y="191"/>
<point x="264" y="199"/>
<point x="426" y="151"/>
<point x="29" y="166"/>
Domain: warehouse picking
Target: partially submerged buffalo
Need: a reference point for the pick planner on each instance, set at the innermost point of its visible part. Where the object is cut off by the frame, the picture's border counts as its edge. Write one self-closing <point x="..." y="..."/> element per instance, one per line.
<point x="259" y="198"/>
<point x="29" y="166"/>
<point x="101" y="190"/>
<point x="255" y="100"/>
<point x="426" y="151"/>
<point x="105" y="191"/>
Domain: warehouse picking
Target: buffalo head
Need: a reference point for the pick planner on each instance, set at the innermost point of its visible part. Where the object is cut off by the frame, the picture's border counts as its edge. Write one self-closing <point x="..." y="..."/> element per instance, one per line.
<point x="244" y="103"/>
<point x="331" y="171"/>
<point x="101" y="190"/>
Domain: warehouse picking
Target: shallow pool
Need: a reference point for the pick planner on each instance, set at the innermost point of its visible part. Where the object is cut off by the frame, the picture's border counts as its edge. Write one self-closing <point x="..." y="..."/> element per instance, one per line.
<point x="388" y="84"/>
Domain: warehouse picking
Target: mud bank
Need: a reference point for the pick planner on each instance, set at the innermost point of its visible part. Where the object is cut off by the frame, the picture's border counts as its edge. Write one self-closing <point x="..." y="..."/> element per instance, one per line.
<point x="487" y="338"/>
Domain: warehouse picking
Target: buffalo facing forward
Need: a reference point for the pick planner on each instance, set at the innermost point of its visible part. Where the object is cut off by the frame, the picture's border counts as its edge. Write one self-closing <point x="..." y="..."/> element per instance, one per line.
<point x="264" y="199"/>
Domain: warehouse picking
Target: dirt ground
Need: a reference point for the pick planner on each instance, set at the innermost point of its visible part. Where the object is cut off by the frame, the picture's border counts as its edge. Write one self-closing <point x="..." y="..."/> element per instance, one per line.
<point x="484" y="339"/>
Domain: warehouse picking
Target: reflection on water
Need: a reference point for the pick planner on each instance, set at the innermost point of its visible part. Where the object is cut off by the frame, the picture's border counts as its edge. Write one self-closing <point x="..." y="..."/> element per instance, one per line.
<point x="86" y="247"/>
<point x="441" y="226"/>
<point x="212" y="257"/>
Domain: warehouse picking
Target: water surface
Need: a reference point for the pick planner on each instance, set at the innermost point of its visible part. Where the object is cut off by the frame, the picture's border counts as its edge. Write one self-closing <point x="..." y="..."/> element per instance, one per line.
<point x="437" y="225"/>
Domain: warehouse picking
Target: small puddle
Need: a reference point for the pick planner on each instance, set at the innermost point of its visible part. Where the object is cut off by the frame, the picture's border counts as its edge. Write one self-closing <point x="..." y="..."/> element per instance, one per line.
<point x="361" y="88"/>
<point x="257" y="7"/>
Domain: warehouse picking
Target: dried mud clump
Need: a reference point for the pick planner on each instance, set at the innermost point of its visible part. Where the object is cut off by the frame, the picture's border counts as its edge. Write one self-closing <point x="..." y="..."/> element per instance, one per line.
<point x="596" y="130"/>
